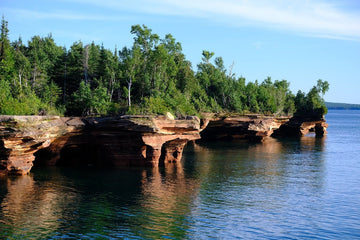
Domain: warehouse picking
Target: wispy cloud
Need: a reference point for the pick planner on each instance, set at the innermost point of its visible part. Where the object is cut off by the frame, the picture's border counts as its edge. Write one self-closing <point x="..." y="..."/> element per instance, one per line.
<point x="258" y="44"/>
<point x="63" y="15"/>
<point x="316" y="17"/>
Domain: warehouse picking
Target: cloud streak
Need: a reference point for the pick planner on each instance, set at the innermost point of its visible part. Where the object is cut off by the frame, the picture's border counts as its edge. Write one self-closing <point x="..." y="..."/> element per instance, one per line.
<point x="318" y="18"/>
<point x="63" y="15"/>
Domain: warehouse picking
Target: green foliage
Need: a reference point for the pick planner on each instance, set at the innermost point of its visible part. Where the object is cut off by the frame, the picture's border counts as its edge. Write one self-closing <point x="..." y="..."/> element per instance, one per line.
<point x="88" y="102"/>
<point x="26" y="103"/>
<point x="7" y="61"/>
<point x="155" y="105"/>
<point x="312" y="104"/>
<point x="150" y="77"/>
<point x="5" y="96"/>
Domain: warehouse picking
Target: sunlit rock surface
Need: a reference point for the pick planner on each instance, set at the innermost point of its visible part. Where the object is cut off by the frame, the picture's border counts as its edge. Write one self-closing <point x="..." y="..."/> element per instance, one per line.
<point x="300" y="126"/>
<point x="124" y="141"/>
<point x="22" y="136"/>
<point x="111" y="141"/>
<point x="249" y="127"/>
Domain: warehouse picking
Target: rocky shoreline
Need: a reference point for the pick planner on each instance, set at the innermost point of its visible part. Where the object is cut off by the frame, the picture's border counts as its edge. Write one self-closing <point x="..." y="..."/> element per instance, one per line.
<point x="126" y="141"/>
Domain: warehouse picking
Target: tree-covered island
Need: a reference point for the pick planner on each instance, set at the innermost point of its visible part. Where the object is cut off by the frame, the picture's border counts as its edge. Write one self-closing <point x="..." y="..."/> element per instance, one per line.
<point x="151" y="77"/>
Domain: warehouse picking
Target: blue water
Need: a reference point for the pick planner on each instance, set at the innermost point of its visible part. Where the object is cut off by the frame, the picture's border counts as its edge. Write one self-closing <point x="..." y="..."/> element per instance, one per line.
<point x="306" y="188"/>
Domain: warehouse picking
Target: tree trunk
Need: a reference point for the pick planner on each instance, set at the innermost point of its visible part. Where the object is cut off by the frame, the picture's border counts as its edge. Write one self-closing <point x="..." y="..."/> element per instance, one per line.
<point x="129" y="93"/>
<point x="34" y="76"/>
<point x="20" y="75"/>
<point x="86" y="65"/>
<point x="112" y="83"/>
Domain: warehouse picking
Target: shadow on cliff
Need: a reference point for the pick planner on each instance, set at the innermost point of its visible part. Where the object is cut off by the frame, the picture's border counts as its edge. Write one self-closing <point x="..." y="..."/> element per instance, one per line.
<point x="93" y="149"/>
<point x="120" y="149"/>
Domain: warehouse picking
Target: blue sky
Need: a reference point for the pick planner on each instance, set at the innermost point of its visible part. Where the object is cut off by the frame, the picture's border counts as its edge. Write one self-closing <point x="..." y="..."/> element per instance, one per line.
<point x="298" y="40"/>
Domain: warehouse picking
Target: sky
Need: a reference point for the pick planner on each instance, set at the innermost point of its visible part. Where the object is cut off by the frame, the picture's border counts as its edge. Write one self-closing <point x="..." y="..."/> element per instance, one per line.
<point x="300" y="41"/>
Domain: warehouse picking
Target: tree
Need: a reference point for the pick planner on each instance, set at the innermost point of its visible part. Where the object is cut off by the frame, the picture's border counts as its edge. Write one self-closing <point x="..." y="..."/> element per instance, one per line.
<point x="5" y="96"/>
<point x="88" y="102"/>
<point x="251" y="93"/>
<point x="7" y="69"/>
<point x="22" y="64"/>
<point x="146" y="41"/>
<point x="312" y="104"/>
<point x="95" y="61"/>
<point x="86" y="63"/>
<point x="144" y="38"/>
<point x="81" y="103"/>
<point x="100" y="101"/>
<point x="38" y="60"/>
<point x="109" y="71"/>
<point x="152" y="76"/>
<point x="51" y="94"/>
<point x="131" y="63"/>
<point x="75" y="67"/>
<point x="322" y="87"/>
<point x="207" y="56"/>
<point x="282" y="97"/>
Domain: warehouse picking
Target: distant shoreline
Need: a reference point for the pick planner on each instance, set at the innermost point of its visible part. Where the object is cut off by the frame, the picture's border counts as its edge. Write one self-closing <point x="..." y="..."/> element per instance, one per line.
<point x="342" y="106"/>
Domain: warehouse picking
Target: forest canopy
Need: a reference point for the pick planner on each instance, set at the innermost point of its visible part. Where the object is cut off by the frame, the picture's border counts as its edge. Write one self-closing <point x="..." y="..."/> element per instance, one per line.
<point x="152" y="76"/>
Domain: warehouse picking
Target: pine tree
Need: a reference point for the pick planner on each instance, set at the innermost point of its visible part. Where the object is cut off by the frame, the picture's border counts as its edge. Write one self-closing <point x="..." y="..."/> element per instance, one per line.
<point x="7" y="69"/>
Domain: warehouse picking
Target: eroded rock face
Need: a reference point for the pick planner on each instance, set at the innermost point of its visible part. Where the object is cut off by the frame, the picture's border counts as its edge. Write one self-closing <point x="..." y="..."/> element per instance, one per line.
<point x="22" y="136"/>
<point x="123" y="141"/>
<point x="300" y="126"/>
<point x="127" y="140"/>
<point x="112" y="141"/>
<point x="249" y="127"/>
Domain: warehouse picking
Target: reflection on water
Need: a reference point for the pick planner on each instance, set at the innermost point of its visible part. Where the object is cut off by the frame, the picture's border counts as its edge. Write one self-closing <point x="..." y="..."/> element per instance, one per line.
<point x="166" y="197"/>
<point x="223" y="190"/>
<point x="250" y="191"/>
<point x="73" y="203"/>
<point x="30" y="209"/>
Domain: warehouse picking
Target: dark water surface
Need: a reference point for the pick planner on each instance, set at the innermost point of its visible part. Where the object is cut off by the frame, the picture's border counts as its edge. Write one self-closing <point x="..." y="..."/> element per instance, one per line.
<point x="282" y="189"/>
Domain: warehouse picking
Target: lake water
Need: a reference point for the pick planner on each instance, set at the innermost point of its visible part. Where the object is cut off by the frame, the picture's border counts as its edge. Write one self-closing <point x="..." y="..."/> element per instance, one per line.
<point x="306" y="188"/>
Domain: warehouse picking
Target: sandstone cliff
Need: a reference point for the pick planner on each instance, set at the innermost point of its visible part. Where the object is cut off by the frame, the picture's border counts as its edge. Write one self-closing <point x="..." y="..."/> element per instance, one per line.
<point x="22" y="136"/>
<point x="250" y="127"/>
<point x="127" y="140"/>
<point x="300" y="126"/>
<point x="113" y="141"/>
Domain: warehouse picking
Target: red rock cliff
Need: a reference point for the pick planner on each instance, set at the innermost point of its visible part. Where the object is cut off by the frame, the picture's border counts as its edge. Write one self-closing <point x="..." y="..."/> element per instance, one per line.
<point x="249" y="127"/>
<point x="127" y="140"/>
<point x="300" y="126"/>
<point x="113" y="141"/>
<point x="22" y="136"/>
